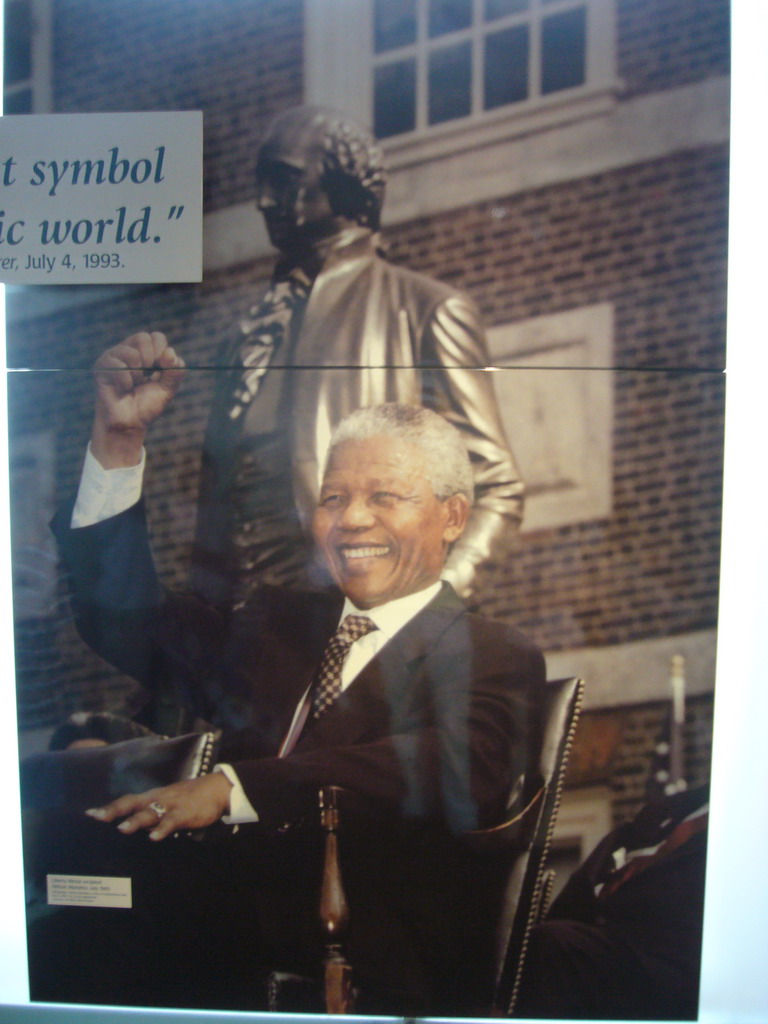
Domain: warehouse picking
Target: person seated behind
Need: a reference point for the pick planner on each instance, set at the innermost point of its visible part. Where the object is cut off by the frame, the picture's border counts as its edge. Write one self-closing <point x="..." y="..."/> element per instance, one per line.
<point x="623" y="938"/>
<point x="429" y="718"/>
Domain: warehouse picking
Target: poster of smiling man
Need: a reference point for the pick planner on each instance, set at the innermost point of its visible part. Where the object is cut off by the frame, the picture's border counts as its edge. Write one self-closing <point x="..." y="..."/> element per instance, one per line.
<point x="500" y="230"/>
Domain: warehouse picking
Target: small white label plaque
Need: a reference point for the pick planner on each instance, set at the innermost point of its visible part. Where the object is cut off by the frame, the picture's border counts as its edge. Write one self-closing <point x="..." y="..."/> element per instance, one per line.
<point x="88" y="891"/>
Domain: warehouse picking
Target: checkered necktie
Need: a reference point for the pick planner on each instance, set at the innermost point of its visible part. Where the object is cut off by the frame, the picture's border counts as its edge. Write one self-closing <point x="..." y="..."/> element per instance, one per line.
<point x="328" y="686"/>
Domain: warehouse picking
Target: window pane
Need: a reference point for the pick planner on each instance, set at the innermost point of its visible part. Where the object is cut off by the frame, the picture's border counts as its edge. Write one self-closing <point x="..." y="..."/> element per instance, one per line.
<point x="448" y="16"/>
<point x="506" y="67"/>
<point x="394" y="24"/>
<point x="18" y="42"/>
<point x="449" y="83"/>
<point x="18" y="102"/>
<point x="563" y="50"/>
<point x="501" y="8"/>
<point x="394" y="98"/>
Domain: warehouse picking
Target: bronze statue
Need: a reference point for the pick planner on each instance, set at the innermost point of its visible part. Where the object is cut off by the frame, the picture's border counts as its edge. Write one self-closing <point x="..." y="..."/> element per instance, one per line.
<point x="338" y="329"/>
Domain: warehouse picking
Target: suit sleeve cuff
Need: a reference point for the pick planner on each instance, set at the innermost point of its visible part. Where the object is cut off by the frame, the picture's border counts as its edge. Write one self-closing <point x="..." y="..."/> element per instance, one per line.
<point x="240" y="808"/>
<point x="105" y="493"/>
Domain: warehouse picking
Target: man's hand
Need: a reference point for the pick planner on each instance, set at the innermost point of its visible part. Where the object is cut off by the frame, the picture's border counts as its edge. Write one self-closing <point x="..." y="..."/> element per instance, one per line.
<point x="169" y="809"/>
<point x="135" y="381"/>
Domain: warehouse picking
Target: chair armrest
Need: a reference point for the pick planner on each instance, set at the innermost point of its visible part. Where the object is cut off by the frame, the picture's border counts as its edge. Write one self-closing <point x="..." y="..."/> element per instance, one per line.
<point x="514" y="833"/>
<point x="74" y="780"/>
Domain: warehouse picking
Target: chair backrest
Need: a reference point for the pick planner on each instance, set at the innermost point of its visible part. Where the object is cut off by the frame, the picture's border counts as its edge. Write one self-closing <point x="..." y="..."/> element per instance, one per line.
<point x="525" y="893"/>
<point x="523" y="840"/>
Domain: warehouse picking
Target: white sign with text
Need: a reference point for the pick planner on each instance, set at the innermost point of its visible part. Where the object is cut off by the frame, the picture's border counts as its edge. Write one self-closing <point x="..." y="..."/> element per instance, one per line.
<point x="89" y="891"/>
<point x="101" y="198"/>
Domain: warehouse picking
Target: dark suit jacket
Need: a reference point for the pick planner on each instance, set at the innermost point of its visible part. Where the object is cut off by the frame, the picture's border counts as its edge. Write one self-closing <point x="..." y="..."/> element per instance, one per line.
<point x="633" y="952"/>
<point x="435" y="725"/>
<point x="639" y="900"/>
<point x="435" y="729"/>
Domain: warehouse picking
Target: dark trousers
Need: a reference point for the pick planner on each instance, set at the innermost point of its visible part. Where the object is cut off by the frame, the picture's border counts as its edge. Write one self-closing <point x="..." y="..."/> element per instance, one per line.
<point x="585" y="971"/>
<point x="208" y="920"/>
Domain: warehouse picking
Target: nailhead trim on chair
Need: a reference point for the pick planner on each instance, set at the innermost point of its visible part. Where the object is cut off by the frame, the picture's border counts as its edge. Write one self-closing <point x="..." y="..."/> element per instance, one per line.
<point x="557" y="784"/>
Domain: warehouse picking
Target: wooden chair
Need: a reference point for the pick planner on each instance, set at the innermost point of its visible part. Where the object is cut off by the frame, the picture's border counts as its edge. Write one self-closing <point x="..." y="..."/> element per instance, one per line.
<point x="520" y="844"/>
<point x="525" y="838"/>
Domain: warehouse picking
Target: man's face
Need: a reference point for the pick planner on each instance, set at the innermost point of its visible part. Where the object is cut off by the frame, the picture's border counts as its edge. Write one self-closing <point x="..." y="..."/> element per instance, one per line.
<point x="382" y="531"/>
<point x="289" y="195"/>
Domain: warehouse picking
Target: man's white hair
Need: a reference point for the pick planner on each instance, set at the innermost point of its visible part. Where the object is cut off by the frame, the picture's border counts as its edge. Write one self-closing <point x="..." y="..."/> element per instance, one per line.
<point x="449" y="470"/>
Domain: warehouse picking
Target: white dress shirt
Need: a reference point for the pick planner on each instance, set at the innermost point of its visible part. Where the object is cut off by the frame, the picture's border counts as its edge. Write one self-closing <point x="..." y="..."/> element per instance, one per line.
<point x="104" y="493"/>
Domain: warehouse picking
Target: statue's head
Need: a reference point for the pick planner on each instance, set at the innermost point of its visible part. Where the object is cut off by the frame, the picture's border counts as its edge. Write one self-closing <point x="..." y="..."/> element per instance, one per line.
<point x="317" y="172"/>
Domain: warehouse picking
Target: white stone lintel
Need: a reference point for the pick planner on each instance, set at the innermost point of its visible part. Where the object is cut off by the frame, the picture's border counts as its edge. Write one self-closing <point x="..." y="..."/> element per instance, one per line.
<point x="638" y="672"/>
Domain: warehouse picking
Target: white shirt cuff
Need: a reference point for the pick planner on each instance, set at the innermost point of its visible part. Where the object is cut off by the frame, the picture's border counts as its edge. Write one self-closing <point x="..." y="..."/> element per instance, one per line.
<point x="104" y="493"/>
<point x="240" y="808"/>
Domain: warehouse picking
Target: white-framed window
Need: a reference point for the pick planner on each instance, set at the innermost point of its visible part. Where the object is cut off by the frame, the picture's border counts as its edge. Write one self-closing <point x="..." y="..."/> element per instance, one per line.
<point x="441" y="74"/>
<point x="27" y="57"/>
<point x="554" y="386"/>
<point x="436" y="61"/>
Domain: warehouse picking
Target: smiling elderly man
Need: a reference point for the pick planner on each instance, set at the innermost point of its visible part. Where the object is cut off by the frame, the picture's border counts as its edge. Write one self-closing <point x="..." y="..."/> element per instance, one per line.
<point x="383" y="684"/>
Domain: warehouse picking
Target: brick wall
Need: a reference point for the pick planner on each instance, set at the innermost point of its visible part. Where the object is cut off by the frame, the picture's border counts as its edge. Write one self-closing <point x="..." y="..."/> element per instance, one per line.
<point x="651" y="239"/>
<point x="627" y="764"/>
<point x="238" y="61"/>
<point x="651" y="568"/>
<point x="663" y="43"/>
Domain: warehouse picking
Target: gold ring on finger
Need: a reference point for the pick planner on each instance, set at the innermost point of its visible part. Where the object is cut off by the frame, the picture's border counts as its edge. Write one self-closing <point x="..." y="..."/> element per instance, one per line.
<point x="160" y="809"/>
